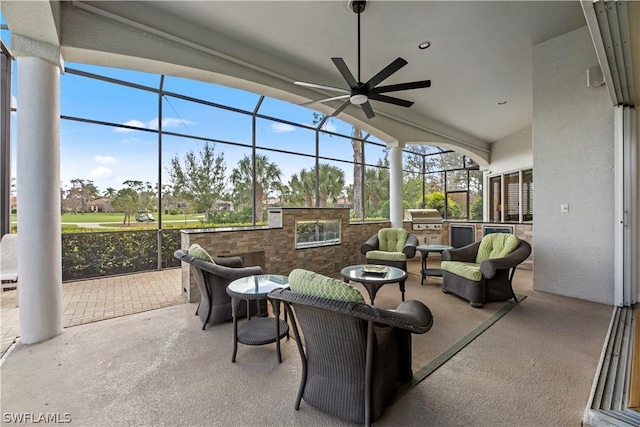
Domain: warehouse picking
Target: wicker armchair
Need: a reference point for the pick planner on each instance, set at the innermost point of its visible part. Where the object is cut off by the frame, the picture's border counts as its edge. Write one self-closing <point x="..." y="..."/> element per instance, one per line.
<point x="390" y="246"/>
<point x="355" y="356"/>
<point x="212" y="280"/>
<point x="483" y="271"/>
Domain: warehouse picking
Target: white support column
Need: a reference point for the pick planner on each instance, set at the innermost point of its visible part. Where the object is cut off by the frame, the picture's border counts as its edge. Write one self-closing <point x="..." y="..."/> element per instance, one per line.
<point x="396" y="212"/>
<point x="38" y="191"/>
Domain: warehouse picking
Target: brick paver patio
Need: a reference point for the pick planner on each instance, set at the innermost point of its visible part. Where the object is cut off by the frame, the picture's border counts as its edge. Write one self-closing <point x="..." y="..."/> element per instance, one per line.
<point x="98" y="299"/>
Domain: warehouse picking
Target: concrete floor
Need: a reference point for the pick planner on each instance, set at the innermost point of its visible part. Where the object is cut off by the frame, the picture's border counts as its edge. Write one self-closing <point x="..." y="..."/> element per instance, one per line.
<point x="534" y="367"/>
<point x="92" y="300"/>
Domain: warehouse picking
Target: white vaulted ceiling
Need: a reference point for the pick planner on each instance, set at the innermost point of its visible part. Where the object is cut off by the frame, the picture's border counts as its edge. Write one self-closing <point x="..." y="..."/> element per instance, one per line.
<point x="481" y="53"/>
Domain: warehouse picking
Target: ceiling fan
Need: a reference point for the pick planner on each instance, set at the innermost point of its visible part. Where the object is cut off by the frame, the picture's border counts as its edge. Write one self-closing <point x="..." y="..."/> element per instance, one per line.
<point x="360" y="93"/>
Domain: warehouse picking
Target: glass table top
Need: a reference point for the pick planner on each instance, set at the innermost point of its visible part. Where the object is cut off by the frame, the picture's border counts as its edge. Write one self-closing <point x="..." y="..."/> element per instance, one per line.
<point x="356" y="273"/>
<point x="433" y="247"/>
<point x="258" y="285"/>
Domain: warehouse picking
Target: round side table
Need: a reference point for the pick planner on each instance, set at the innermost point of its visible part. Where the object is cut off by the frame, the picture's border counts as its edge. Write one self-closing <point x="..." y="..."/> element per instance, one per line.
<point x="424" y="251"/>
<point x="259" y="330"/>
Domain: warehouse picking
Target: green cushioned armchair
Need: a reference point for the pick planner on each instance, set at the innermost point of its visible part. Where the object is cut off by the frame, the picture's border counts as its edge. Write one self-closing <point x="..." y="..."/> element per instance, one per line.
<point x="390" y="246"/>
<point x="483" y="271"/>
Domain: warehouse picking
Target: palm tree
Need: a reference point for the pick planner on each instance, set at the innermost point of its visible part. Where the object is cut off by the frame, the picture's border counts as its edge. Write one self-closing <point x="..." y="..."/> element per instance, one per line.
<point x="302" y="188"/>
<point x="268" y="178"/>
<point x="331" y="184"/>
<point x="377" y="189"/>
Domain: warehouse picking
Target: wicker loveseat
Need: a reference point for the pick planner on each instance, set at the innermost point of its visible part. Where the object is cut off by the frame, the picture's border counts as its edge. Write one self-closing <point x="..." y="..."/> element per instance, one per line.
<point x="354" y="356"/>
<point x="212" y="279"/>
<point x="483" y="271"/>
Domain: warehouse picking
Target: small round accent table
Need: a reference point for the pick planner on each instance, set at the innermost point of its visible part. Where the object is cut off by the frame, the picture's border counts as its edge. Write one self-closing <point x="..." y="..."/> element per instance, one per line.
<point x="259" y="330"/>
<point x="424" y="251"/>
<point x="374" y="281"/>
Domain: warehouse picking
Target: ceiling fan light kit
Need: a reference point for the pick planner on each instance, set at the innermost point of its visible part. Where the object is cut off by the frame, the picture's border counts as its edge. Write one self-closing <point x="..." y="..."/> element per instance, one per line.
<point x="358" y="99"/>
<point x="360" y="93"/>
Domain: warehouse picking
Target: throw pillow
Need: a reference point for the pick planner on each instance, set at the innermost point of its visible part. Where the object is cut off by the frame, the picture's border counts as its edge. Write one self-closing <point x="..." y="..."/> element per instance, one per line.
<point x="310" y="283"/>
<point x="496" y="245"/>
<point x="392" y="239"/>
<point x="198" y="251"/>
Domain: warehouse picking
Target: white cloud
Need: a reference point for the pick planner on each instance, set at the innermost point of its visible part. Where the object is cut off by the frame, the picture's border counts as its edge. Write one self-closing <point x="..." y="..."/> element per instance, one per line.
<point x="105" y="160"/>
<point x="167" y="122"/>
<point x="101" y="172"/>
<point x="281" y="128"/>
<point x="133" y="122"/>
<point x="131" y="140"/>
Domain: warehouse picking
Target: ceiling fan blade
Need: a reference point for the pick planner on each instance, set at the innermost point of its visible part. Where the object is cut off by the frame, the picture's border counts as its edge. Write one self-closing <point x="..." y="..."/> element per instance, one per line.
<point x="326" y="99"/>
<point x="390" y="100"/>
<point x="402" y="86"/>
<point x="366" y="107"/>
<point x="331" y="88"/>
<point x="340" y="108"/>
<point x="384" y="73"/>
<point x="346" y="74"/>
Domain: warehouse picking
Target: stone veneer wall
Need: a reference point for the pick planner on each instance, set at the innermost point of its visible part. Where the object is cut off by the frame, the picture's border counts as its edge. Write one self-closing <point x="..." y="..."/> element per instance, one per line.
<point x="278" y="245"/>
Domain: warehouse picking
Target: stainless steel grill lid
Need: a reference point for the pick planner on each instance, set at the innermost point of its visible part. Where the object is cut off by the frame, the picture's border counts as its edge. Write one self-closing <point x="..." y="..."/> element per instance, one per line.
<point x="424" y="219"/>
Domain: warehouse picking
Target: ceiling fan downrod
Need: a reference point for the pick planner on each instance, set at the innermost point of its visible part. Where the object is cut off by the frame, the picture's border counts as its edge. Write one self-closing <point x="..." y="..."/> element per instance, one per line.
<point x="360" y="93"/>
<point x="358" y="6"/>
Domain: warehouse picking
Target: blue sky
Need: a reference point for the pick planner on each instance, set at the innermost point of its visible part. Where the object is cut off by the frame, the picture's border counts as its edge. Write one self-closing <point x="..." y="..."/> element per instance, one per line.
<point x="109" y="155"/>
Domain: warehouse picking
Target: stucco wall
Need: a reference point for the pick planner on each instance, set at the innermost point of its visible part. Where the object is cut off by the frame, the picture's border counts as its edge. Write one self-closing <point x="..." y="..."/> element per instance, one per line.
<point x="573" y="164"/>
<point x="512" y="152"/>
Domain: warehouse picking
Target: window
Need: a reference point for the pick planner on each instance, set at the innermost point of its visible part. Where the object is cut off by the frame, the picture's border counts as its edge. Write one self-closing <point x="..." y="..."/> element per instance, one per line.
<point x="527" y="195"/>
<point x="511" y="197"/>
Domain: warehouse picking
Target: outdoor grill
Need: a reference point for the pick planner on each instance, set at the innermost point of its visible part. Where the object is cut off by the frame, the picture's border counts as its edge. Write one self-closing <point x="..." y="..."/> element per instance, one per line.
<point x="426" y="225"/>
<point x="424" y="219"/>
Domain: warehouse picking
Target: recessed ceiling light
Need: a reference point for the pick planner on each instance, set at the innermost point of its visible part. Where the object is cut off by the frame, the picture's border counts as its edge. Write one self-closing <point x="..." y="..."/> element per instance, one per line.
<point x="424" y="45"/>
<point x="502" y="102"/>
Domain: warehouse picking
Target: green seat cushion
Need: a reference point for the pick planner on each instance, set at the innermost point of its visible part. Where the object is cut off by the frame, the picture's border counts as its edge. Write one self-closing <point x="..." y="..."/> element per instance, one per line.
<point x="468" y="270"/>
<point x="197" y="251"/>
<point x="392" y="239"/>
<point x="310" y="283"/>
<point x="496" y="245"/>
<point x="386" y="256"/>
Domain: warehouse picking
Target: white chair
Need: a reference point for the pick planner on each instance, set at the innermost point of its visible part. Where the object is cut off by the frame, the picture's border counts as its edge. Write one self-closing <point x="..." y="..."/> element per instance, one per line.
<point x="9" y="262"/>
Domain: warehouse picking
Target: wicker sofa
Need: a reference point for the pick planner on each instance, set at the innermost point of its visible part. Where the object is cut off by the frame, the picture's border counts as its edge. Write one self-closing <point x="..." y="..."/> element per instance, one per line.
<point x="483" y="271"/>
<point x="354" y="355"/>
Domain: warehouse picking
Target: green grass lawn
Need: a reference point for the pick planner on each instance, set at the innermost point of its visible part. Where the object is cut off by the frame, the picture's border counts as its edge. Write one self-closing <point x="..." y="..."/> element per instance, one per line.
<point x="113" y="219"/>
<point x="102" y="218"/>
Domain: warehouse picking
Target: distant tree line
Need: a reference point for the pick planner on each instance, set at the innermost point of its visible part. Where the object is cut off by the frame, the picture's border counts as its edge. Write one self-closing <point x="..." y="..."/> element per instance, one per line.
<point x="199" y="183"/>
